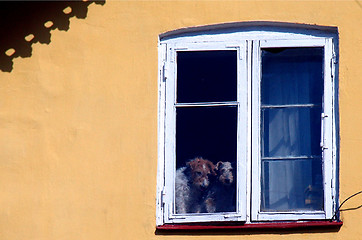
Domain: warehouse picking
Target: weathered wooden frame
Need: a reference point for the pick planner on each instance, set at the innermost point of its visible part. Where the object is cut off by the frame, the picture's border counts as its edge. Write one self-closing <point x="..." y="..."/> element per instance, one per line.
<point x="247" y="40"/>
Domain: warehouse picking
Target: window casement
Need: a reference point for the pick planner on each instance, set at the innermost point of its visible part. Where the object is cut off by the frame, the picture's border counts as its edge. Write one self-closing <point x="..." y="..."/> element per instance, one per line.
<point x="247" y="125"/>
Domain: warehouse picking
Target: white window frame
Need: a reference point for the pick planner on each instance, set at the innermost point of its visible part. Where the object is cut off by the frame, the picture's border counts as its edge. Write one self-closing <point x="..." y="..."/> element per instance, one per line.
<point x="327" y="131"/>
<point x="249" y="45"/>
<point x="170" y="126"/>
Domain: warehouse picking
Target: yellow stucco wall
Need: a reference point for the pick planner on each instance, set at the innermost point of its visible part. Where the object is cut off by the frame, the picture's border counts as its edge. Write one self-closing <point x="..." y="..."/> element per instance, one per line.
<point x="78" y="119"/>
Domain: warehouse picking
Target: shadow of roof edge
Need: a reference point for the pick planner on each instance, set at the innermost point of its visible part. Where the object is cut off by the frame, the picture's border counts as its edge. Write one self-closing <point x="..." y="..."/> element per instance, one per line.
<point x="236" y="25"/>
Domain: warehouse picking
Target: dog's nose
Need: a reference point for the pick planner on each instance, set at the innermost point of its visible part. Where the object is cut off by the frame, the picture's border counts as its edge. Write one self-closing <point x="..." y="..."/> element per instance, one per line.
<point x="205" y="183"/>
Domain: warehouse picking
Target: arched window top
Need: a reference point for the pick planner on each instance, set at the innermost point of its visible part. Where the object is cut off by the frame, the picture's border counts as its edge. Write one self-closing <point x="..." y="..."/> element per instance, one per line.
<point x="246" y="29"/>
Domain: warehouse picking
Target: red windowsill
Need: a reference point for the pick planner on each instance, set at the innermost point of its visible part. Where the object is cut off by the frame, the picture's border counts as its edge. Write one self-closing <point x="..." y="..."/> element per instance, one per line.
<point x="255" y="226"/>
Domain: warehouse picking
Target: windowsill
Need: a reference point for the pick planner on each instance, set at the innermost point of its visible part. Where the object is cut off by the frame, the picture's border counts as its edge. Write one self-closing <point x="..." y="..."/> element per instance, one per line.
<point x="255" y="226"/>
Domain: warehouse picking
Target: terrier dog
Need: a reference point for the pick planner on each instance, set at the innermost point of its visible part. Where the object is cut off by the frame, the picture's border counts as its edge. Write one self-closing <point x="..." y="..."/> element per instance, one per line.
<point x="191" y="184"/>
<point x="221" y="195"/>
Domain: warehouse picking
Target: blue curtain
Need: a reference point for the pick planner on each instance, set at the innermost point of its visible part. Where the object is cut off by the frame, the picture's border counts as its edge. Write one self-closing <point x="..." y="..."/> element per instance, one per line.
<point x="291" y="97"/>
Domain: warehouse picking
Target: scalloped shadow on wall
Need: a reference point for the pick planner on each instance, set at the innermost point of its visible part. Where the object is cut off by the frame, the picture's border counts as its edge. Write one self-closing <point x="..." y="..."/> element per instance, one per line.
<point x="25" y="23"/>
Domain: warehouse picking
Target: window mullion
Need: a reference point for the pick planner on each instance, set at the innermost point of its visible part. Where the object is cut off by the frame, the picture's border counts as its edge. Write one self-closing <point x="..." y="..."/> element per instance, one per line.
<point x="243" y="123"/>
<point x="255" y="132"/>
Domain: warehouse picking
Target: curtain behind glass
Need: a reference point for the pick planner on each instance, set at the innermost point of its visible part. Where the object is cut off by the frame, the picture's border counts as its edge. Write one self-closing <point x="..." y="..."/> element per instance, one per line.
<point x="291" y="96"/>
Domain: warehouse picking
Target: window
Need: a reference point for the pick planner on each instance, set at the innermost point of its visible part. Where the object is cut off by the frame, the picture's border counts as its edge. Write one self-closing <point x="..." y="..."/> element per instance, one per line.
<point x="247" y="124"/>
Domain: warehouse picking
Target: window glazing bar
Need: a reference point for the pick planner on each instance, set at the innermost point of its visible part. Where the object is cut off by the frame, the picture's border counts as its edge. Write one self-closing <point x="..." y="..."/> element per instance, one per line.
<point x="207" y="104"/>
<point x="290" y="105"/>
<point x="290" y="158"/>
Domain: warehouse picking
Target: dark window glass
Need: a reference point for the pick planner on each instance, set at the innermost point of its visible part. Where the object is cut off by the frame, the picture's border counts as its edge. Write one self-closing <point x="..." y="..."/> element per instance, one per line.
<point x="206" y="146"/>
<point x="206" y="76"/>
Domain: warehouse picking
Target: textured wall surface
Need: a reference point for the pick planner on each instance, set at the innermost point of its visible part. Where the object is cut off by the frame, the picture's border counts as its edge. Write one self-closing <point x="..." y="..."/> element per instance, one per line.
<point x="78" y="119"/>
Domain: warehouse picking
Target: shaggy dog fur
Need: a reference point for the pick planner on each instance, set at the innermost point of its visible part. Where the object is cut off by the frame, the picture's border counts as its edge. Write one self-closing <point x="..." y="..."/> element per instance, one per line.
<point x="221" y="194"/>
<point x="191" y="185"/>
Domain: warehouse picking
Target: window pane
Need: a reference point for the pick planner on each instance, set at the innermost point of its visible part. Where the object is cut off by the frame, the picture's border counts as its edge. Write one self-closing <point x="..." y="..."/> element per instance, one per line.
<point x="289" y="185"/>
<point x="291" y="132"/>
<point x="291" y="176"/>
<point x="292" y="75"/>
<point x="206" y="76"/>
<point x="206" y="140"/>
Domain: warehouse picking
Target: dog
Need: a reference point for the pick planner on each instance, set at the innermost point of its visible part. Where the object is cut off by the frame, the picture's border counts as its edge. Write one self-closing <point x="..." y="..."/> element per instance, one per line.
<point x="191" y="185"/>
<point x="221" y="195"/>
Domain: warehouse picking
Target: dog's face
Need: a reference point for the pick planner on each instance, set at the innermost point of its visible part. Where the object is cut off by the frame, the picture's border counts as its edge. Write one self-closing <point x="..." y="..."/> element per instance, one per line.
<point x="225" y="173"/>
<point x="201" y="171"/>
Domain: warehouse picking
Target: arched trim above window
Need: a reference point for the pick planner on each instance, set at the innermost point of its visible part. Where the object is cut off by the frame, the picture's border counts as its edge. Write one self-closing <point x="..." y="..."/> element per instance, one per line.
<point x="250" y="26"/>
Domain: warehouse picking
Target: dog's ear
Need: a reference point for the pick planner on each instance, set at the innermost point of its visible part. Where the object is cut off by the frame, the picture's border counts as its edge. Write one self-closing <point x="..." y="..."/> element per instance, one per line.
<point x="213" y="168"/>
<point x="190" y="164"/>
<point x="187" y="171"/>
<point x="218" y="165"/>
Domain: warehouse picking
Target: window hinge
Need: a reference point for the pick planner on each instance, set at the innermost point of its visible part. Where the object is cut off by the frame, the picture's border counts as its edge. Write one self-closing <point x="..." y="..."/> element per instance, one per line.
<point x="323" y="116"/>
<point x="334" y="58"/>
<point x="331" y="183"/>
<point x="164" y="72"/>
<point x="162" y="197"/>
